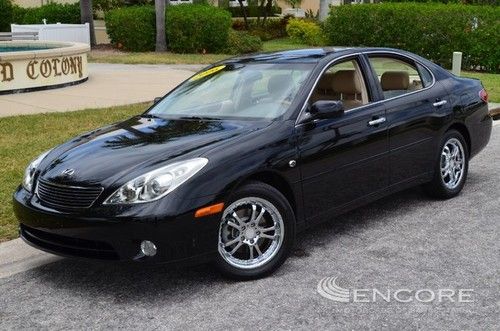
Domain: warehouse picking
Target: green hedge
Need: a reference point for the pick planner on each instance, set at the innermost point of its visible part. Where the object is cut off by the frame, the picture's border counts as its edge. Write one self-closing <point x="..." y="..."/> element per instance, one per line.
<point x="197" y="28"/>
<point x="431" y="30"/>
<point x="132" y="28"/>
<point x="52" y="12"/>
<point x="469" y="2"/>
<point x="5" y="15"/>
<point x="189" y="28"/>
<point x="241" y="42"/>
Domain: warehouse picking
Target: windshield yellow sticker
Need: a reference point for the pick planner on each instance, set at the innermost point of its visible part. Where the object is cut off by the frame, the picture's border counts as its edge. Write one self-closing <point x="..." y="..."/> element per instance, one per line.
<point x="207" y="72"/>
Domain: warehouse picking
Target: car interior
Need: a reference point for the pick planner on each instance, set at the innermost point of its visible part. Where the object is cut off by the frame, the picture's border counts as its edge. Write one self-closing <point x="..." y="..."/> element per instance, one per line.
<point x="344" y="82"/>
<point x="396" y="77"/>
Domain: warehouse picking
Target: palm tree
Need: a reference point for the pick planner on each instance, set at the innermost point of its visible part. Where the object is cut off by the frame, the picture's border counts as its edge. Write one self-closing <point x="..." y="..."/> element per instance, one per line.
<point x="323" y="9"/>
<point x="161" y="41"/>
<point x="87" y="17"/>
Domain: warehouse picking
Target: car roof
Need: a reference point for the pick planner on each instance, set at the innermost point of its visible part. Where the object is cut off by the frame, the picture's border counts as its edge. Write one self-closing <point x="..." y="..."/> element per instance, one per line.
<point x="307" y="55"/>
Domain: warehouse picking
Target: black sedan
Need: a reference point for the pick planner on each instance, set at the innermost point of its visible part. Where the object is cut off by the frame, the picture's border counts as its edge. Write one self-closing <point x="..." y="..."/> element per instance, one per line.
<point x="234" y="162"/>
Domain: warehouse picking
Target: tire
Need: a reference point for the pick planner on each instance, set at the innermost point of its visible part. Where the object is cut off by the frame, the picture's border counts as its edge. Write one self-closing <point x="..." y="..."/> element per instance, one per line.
<point x="261" y="249"/>
<point x="444" y="186"/>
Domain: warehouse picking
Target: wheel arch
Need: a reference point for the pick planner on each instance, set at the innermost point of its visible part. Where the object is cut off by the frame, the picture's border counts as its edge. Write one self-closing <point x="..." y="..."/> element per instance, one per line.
<point x="275" y="180"/>
<point x="462" y="128"/>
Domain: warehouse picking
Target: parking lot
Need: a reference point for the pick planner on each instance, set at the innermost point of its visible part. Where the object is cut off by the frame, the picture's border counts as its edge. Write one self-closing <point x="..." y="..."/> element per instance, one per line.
<point x="405" y="241"/>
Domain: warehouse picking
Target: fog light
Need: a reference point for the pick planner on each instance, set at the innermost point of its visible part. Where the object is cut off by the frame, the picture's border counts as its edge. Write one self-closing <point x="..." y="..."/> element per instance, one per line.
<point x="148" y="248"/>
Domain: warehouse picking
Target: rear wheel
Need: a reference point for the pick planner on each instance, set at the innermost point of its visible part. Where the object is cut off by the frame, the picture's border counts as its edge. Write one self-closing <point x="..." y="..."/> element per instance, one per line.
<point x="451" y="169"/>
<point x="256" y="233"/>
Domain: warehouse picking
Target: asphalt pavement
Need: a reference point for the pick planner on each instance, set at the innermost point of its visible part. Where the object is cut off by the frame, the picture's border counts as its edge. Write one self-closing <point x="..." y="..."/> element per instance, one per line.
<point x="405" y="242"/>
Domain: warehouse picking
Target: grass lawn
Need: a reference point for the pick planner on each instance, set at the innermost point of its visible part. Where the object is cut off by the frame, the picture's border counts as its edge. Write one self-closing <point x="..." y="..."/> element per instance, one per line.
<point x="153" y="58"/>
<point x="281" y="44"/>
<point x="491" y="83"/>
<point x="22" y="138"/>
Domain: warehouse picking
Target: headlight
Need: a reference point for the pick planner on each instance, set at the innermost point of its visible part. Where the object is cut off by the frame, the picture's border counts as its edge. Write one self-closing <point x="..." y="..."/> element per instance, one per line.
<point x="29" y="173"/>
<point x="157" y="183"/>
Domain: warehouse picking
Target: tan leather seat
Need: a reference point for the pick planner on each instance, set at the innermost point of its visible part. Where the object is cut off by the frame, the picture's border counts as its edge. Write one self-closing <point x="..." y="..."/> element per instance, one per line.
<point x="395" y="80"/>
<point x="345" y="83"/>
<point x="324" y="89"/>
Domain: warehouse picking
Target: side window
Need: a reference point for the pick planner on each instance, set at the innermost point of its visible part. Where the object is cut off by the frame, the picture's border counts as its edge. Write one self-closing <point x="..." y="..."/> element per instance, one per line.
<point x="396" y="76"/>
<point x="342" y="81"/>
<point x="425" y="75"/>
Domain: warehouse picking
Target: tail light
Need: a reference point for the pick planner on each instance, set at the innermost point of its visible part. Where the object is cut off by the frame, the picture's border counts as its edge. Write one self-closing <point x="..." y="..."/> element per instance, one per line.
<point x="483" y="95"/>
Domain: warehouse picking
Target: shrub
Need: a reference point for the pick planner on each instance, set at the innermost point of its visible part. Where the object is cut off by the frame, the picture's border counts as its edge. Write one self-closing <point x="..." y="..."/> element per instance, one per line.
<point x="252" y="11"/>
<point x="431" y="30"/>
<point x="197" y="28"/>
<point x="18" y="14"/>
<point x="272" y="28"/>
<point x="106" y="5"/>
<point x="470" y="2"/>
<point x="6" y="15"/>
<point x="132" y="28"/>
<point x="52" y="12"/>
<point x="305" y="32"/>
<point x="241" y="42"/>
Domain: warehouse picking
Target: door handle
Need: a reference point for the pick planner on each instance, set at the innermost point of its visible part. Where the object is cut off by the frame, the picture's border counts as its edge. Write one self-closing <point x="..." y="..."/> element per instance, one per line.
<point x="377" y="121"/>
<point x="440" y="103"/>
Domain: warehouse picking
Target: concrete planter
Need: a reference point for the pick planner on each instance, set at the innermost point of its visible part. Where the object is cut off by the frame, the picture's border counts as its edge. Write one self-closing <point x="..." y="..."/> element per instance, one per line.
<point x="61" y="64"/>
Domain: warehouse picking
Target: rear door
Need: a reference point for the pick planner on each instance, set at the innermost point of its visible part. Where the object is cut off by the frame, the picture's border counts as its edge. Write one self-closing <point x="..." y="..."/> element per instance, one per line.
<point x="415" y="105"/>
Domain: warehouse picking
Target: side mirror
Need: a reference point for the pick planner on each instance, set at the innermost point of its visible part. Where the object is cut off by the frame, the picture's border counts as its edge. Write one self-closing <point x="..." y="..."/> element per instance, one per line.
<point x="156" y="100"/>
<point x="322" y="109"/>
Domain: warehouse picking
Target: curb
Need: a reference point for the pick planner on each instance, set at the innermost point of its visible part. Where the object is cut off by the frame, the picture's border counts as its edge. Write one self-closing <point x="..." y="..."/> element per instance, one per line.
<point x="16" y="257"/>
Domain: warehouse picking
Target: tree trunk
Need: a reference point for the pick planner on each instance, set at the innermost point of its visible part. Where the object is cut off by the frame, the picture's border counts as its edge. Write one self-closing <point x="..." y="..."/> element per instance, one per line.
<point x="86" y="16"/>
<point x="268" y="11"/>
<point x="244" y="12"/>
<point x="323" y="9"/>
<point x="260" y="12"/>
<point x="161" y="39"/>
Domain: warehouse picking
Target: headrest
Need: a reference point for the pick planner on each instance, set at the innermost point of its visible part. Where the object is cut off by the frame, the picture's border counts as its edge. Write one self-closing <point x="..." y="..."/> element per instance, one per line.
<point x="395" y="80"/>
<point x="326" y="82"/>
<point x="345" y="81"/>
<point x="279" y="83"/>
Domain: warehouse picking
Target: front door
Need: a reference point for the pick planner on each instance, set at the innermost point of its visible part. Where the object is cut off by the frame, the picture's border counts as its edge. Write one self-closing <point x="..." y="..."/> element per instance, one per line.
<point x="344" y="159"/>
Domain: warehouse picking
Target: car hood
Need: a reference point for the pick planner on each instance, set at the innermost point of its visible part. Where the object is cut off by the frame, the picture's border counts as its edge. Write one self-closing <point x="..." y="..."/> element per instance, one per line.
<point x="135" y="146"/>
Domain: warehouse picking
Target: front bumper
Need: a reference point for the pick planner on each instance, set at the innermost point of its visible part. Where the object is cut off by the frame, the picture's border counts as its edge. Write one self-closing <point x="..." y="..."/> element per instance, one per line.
<point x="117" y="237"/>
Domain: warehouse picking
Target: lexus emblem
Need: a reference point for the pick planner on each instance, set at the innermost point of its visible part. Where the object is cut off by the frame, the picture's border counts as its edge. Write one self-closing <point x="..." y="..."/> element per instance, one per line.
<point x="68" y="172"/>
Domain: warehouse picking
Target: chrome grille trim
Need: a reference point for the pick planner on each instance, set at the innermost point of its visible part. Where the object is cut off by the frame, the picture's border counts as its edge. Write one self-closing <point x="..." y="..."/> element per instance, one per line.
<point x="66" y="196"/>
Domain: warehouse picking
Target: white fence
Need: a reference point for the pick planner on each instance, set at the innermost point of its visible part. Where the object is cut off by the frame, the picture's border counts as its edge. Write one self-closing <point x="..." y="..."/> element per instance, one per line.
<point x="179" y="2"/>
<point x="56" y="32"/>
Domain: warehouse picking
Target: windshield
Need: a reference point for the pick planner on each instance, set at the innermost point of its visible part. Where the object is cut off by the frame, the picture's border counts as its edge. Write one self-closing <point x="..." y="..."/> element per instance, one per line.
<point x="253" y="91"/>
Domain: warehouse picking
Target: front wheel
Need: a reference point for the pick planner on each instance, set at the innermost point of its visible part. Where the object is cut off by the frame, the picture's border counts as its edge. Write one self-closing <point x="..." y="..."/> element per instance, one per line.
<point x="451" y="169"/>
<point x="256" y="233"/>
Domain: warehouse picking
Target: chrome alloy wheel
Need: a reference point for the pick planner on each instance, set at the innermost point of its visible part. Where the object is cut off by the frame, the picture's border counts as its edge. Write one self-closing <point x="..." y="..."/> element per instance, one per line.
<point x="251" y="233"/>
<point x="452" y="163"/>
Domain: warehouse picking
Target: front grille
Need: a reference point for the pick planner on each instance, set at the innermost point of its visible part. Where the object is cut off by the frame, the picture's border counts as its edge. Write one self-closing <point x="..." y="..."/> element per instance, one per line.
<point x="68" y="245"/>
<point x="56" y="195"/>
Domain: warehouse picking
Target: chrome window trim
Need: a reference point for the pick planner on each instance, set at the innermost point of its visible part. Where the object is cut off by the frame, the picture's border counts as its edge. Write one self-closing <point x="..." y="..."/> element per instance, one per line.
<point x="381" y="52"/>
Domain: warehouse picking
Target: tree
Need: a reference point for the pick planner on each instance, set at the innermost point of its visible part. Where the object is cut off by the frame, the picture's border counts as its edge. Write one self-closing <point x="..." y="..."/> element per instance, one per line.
<point x="161" y="40"/>
<point x="87" y="17"/>
<point x="323" y="9"/>
<point x="244" y="11"/>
